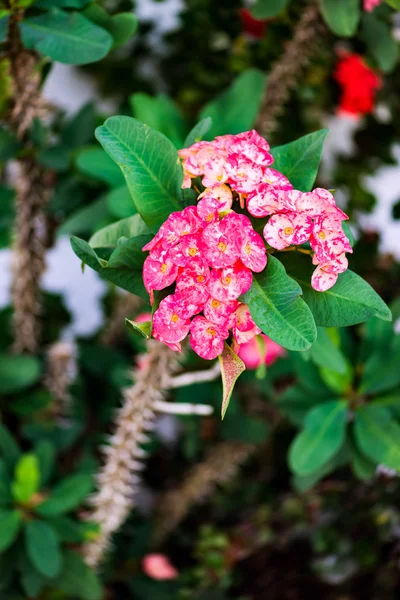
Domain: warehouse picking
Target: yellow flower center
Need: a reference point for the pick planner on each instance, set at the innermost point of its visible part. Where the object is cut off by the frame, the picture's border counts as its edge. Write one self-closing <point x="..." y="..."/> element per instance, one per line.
<point x="209" y="217"/>
<point x="192" y="251"/>
<point x="241" y="174"/>
<point x="221" y="246"/>
<point x="174" y="318"/>
<point x="211" y="331"/>
<point x="164" y="268"/>
<point x="267" y="180"/>
<point x="288" y="231"/>
<point x="247" y="248"/>
<point x="226" y="280"/>
<point x="219" y="177"/>
<point x="200" y="278"/>
<point x="322" y="235"/>
<point x="215" y="303"/>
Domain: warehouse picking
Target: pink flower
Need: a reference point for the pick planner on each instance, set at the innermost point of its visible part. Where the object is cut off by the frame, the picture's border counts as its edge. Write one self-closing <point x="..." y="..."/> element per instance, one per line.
<point x="189" y="302"/>
<point x="158" y="272"/>
<point x="143" y="317"/>
<point x="264" y="201"/>
<point x="158" y="566"/>
<point x="186" y="250"/>
<point x="283" y="230"/>
<point x="229" y="283"/>
<point x="168" y="326"/>
<point x="369" y="5"/>
<point x="252" y="251"/>
<point x="177" y="225"/>
<point x="326" y="274"/>
<point x="219" y="312"/>
<point x="276" y="180"/>
<point x="244" y="175"/>
<point x="253" y="353"/>
<point x="220" y="248"/>
<point x="221" y="193"/>
<point x="251" y="151"/>
<point x="207" y="338"/>
<point x="207" y="209"/>
<point x="244" y="328"/>
<point x="328" y="239"/>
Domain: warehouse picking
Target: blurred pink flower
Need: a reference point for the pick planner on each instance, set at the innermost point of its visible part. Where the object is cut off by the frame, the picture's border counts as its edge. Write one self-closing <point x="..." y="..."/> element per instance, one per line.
<point x="252" y="353"/>
<point x="157" y="566"/>
<point x="143" y="317"/>
<point x="369" y="5"/>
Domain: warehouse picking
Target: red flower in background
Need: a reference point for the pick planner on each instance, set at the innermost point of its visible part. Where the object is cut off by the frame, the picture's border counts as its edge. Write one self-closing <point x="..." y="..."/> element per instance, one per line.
<point x="359" y="85"/>
<point x="252" y="26"/>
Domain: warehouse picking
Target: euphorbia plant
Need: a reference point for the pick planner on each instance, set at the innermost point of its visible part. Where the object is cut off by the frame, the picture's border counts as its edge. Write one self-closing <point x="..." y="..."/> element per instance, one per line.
<point x="220" y="280"/>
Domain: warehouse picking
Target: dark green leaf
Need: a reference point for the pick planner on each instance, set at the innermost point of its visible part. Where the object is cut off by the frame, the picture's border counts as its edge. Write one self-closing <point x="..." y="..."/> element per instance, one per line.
<point x="80" y="129"/>
<point x="351" y="300"/>
<point x="10" y="523"/>
<point x="18" y="373"/>
<point x="31" y="403"/>
<point x="96" y="163"/>
<point x="198" y="132"/>
<point x="5" y="492"/>
<point x="49" y="4"/>
<point x="325" y="353"/>
<point x="43" y="548"/>
<point x="236" y="109"/>
<point x="123" y="27"/>
<point x="66" y="37"/>
<point x="109" y="236"/>
<point x="296" y="403"/>
<point x="265" y="9"/>
<point x="299" y="160"/>
<point x="26" y="478"/>
<point x="338" y="382"/>
<point x="66" y="496"/>
<point x="278" y="310"/>
<point x="361" y="466"/>
<point x="55" y="157"/>
<point x="160" y="113"/>
<point x="150" y="165"/>
<point x="3" y="28"/>
<point x="45" y="453"/>
<point x="9" y="145"/>
<point x="119" y="203"/>
<point x="322" y="436"/>
<point x="31" y="580"/>
<point x="78" y="580"/>
<point x="341" y="16"/>
<point x="8" y="448"/>
<point x="378" y="435"/>
<point x="381" y="371"/>
<point x="86" y="219"/>
<point x="378" y="37"/>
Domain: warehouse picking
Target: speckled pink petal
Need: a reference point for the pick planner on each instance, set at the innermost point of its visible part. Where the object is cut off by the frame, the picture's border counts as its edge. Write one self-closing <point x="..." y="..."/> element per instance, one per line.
<point x="276" y="179"/>
<point x="167" y="324"/>
<point x="219" y="312"/>
<point x="322" y="281"/>
<point x="264" y="201"/>
<point x="207" y="338"/>
<point x="252" y="252"/>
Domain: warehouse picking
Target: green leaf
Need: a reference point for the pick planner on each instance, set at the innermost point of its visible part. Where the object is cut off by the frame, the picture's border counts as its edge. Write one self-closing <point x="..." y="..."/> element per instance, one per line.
<point x="8" y="448"/>
<point x="322" y="436"/>
<point x="31" y="403"/>
<point x="18" y="373"/>
<point x="325" y="353"/>
<point x="265" y="9"/>
<point x="243" y="428"/>
<point x="67" y="529"/>
<point x="31" y="580"/>
<point x="9" y="145"/>
<point x="296" y="403"/>
<point x="198" y="132"/>
<point x="45" y="453"/>
<point x="236" y="109"/>
<point x="43" y="548"/>
<point x="5" y="493"/>
<point x="143" y="328"/>
<point x="68" y="38"/>
<point x="3" y="28"/>
<point x="119" y="203"/>
<point x="66" y="496"/>
<point x="79" y="129"/>
<point x="341" y="16"/>
<point x="85" y="219"/>
<point x="381" y="371"/>
<point x="378" y="435"/>
<point x="394" y="4"/>
<point x="300" y="159"/>
<point x="109" y="236"/>
<point x="96" y="163"/>
<point x="49" y="4"/>
<point x="351" y="300"/>
<point x="10" y="523"/>
<point x="338" y="382"/>
<point x="362" y="468"/>
<point x="278" y="310"/>
<point x="231" y="368"/>
<point x="378" y="37"/>
<point x="160" y="113"/>
<point x="123" y="27"/>
<point x="303" y="483"/>
<point x="150" y="165"/>
<point x="55" y="157"/>
<point x="26" y="478"/>
<point x="78" y="580"/>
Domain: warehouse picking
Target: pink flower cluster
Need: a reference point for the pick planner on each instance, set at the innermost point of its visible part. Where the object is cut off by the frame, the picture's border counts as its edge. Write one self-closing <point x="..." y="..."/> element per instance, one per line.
<point x="210" y="256"/>
<point x="241" y="164"/>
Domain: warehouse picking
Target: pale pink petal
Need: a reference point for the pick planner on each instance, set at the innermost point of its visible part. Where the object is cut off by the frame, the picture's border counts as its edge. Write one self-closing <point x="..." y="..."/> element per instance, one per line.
<point x="283" y="230"/>
<point x="219" y="250"/>
<point x="158" y="273"/>
<point x="276" y="180"/>
<point x="229" y="283"/>
<point x="167" y="324"/>
<point x="244" y="175"/>
<point x="220" y="312"/>
<point x="323" y="281"/>
<point x="207" y="338"/>
<point x="265" y="200"/>
<point x="252" y="252"/>
<point x="207" y="209"/>
<point x="221" y="193"/>
<point x="158" y="566"/>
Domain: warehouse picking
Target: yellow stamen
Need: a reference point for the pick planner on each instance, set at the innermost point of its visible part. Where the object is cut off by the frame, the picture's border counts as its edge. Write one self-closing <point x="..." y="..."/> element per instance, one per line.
<point x="226" y="280"/>
<point x="164" y="268"/>
<point x="174" y="318"/>
<point x="200" y="278"/>
<point x="211" y="331"/>
<point x="288" y="231"/>
<point x="219" y="177"/>
<point x="322" y="235"/>
<point x="221" y="246"/>
<point x="247" y="249"/>
<point x="215" y="303"/>
<point x="192" y="251"/>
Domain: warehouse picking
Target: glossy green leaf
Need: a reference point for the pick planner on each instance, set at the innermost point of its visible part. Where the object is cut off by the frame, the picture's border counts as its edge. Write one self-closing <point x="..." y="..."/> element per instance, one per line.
<point x="150" y="165"/>
<point x="160" y="113"/>
<point x="43" y="548"/>
<point x="300" y="159"/>
<point x="236" y="109"/>
<point x="18" y="373"/>
<point x="96" y="163"/>
<point x="231" y="368"/>
<point x="322" y="436"/>
<point x="10" y="523"/>
<point x="350" y="301"/>
<point x="144" y="328"/>
<point x="198" y="132"/>
<point x="66" y="496"/>
<point x="341" y="16"/>
<point x="9" y="449"/>
<point x="78" y="580"/>
<point x="265" y="9"/>
<point x="109" y="236"/>
<point x="278" y="310"/>
<point x="26" y="478"/>
<point x="126" y="271"/>
<point x="380" y="42"/>
<point x="377" y="435"/>
<point x="66" y="37"/>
